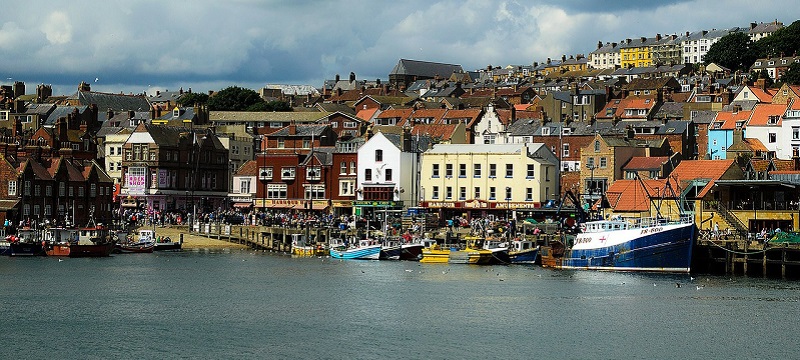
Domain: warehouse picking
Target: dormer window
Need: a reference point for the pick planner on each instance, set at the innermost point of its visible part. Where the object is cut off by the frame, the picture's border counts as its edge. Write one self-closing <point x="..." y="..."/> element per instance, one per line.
<point x="176" y="113"/>
<point x="773" y="119"/>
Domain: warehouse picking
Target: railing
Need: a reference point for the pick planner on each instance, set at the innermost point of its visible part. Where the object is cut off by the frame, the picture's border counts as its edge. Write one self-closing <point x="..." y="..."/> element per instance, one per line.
<point x="731" y="218"/>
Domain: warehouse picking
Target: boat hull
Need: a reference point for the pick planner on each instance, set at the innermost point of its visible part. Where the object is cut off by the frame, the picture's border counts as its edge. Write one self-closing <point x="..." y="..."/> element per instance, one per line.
<point x="663" y="249"/>
<point x="58" y="250"/>
<point x="391" y="252"/>
<point x="361" y="253"/>
<point x="412" y="252"/>
<point x="307" y="250"/>
<point x="27" y="249"/>
<point x="440" y="256"/>
<point x="529" y="256"/>
<point x="133" y="248"/>
<point x="95" y="250"/>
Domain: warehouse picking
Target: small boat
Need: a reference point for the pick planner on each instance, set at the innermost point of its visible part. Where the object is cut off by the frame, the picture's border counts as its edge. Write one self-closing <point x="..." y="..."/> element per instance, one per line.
<point x="5" y="246"/>
<point x="365" y="249"/>
<point x="523" y="252"/>
<point x="477" y="252"/>
<point x="134" y="248"/>
<point x="302" y="247"/>
<point x="432" y="252"/>
<point x="646" y="244"/>
<point x="412" y="250"/>
<point x="391" y="250"/>
<point x="93" y="241"/>
<point x="166" y="243"/>
<point x="26" y="243"/>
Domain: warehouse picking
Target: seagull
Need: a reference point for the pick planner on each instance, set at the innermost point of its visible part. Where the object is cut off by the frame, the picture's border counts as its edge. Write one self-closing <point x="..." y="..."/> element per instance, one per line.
<point x="699" y="287"/>
<point x="691" y="278"/>
<point x="96" y="79"/>
<point x="363" y="272"/>
<point x="409" y="270"/>
<point x="677" y="285"/>
<point x="60" y="260"/>
<point x="654" y="284"/>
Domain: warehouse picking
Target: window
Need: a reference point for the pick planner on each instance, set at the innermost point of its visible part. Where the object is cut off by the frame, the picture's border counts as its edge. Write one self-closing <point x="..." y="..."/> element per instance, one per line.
<point x="48" y="191"/>
<point x="388" y="176"/>
<point x="281" y="143"/>
<point x="492" y="193"/>
<point x="492" y="170"/>
<point x="448" y="192"/>
<point x="603" y="163"/>
<point x="62" y="190"/>
<point x="111" y="150"/>
<point x="71" y="191"/>
<point x="590" y="162"/>
<point x="378" y="155"/>
<point x="343" y="168"/>
<point x="244" y="186"/>
<point x="530" y="173"/>
<point x="316" y="191"/>
<point x="545" y="131"/>
<point x="350" y="124"/>
<point x="773" y="137"/>
<point x="306" y="143"/>
<point x="597" y="146"/>
<point x="528" y="194"/>
<point x="773" y="119"/>
<point x="367" y="174"/>
<point x="448" y="170"/>
<point x="313" y="173"/>
<point x="352" y="167"/>
<point x="48" y="210"/>
<point x="287" y="173"/>
<point x="795" y="134"/>
<point x="477" y="192"/>
<point x="462" y="170"/>
<point x="435" y="194"/>
<point x="276" y="191"/>
<point x="435" y="170"/>
<point x="347" y="187"/>
<point x="265" y="173"/>
<point x="12" y="188"/>
<point x="462" y="193"/>
<point x="508" y="193"/>
<point x="476" y="170"/>
<point x="93" y="190"/>
<point x="509" y="170"/>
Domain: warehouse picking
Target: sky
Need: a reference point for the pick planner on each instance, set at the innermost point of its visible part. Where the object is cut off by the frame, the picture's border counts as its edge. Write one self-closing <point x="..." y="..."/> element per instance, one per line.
<point x="135" y="46"/>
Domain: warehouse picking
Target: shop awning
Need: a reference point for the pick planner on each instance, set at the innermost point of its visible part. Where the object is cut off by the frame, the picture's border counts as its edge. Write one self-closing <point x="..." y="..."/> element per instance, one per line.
<point x="242" y="205"/>
<point x="6" y="205"/>
<point x="319" y="207"/>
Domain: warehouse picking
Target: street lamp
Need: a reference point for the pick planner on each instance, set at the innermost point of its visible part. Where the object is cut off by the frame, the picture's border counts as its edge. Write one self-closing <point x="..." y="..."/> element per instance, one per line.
<point x="508" y="203"/>
<point x="591" y="184"/>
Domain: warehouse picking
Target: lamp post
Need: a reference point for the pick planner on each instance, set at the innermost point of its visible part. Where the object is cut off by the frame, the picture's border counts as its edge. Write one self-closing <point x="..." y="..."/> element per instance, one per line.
<point x="508" y="204"/>
<point x="591" y="185"/>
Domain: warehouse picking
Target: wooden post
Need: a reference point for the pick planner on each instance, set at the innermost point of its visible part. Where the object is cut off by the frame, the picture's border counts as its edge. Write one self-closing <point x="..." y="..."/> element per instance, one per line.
<point x="783" y="263"/>
<point x="744" y="266"/>
<point x="764" y="263"/>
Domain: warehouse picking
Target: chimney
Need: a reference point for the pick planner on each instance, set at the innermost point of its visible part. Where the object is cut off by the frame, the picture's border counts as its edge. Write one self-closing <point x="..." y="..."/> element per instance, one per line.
<point x="738" y="135"/>
<point x="336" y="78"/>
<point x="548" y="61"/>
<point x="378" y="82"/>
<point x="292" y="128"/>
<point x="687" y="34"/>
<point x="630" y="134"/>
<point x="61" y="126"/>
<point x="761" y="84"/>
<point x="643" y="38"/>
<point x="705" y="32"/>
<point x="658" y="37"/>
<point x="19" y="88"/>
<point x="753" y="25"/>
<point x="158" y="92"/>
<point x="563" y="58"/>
<point x="599" y="44"/>
<point x="513" y="115"/>
<point x="180" y="92"/>
<point x="352" y="76"/>
<point x="627" y="41"/>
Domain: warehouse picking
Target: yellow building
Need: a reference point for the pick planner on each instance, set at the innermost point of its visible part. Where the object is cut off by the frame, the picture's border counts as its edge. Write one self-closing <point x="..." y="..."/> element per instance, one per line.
<point x="636" y="53"/>
<point x="477" y="180"/>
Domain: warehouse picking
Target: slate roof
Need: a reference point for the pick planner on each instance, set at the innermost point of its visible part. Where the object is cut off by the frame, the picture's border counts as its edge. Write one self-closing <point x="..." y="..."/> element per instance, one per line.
<point x="165" y="135"/>
<point x="116" y="102"/>
<point x="424" y="68"/>
<point x="63" y="111"/>
<point x="261" y="116"/>
<point x="670" y="110"/>
<point x="302" y="130"/>
<point x="419" y="143"/>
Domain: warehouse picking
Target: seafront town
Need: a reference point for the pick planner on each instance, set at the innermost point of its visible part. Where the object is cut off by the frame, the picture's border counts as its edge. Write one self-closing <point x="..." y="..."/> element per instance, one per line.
<point x="651" y="127"/>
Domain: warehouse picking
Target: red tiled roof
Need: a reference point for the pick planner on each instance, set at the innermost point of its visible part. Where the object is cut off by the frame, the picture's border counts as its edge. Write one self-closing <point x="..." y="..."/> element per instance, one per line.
<point x="783" y="165"/>
<point x="762" y="112"/>
<point x="701" y="169"/>
<point x="643" y="162"/>
<point x="436" y="131"/>
<point x="630" y="195"/>
<point x="619" y="106"/>
<point x="759" y="165"/>
<point x="522" y="107"/>
<point x="366" y="114"/>
<point x="762" y="95"/>
<point x="730" y="118"/>
<point x="249" y="168"/>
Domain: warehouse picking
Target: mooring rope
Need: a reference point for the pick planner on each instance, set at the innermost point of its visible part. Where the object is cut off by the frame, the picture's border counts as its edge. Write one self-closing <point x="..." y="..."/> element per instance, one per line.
<point x="737" y="252"/>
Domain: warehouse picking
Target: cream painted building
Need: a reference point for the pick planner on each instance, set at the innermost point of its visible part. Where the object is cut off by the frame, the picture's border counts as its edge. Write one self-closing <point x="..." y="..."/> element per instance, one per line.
<point x="477" y="180"/>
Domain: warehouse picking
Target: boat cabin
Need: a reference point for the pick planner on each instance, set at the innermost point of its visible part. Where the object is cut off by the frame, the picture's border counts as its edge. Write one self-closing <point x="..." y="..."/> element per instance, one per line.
<point x="605" y="225"/>
<point x="522" y="245"/>
<point x="147" y="236"/>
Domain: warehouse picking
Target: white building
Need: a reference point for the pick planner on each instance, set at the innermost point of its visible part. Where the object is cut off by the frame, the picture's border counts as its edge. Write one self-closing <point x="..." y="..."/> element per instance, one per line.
<point x="605" y="56"/>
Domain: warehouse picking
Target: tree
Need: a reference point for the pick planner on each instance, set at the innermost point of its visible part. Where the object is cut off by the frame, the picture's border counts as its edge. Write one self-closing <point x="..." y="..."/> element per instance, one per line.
<point x="792" y="75"/>
<point x="191" y="99"/>
<point x="762" y="74"/>
<point x="270" y="106"/>
<point x="732" y="51"/>
<point x="784" y="42"/>
<point x="233" y="98"/>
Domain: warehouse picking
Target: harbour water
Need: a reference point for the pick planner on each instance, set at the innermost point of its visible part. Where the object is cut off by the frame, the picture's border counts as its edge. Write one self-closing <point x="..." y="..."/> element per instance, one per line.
<point x="245" y="304"/>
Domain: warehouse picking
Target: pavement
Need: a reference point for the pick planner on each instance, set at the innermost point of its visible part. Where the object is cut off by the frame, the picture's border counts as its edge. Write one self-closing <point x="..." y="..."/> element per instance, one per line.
<point x="195" y="241"/>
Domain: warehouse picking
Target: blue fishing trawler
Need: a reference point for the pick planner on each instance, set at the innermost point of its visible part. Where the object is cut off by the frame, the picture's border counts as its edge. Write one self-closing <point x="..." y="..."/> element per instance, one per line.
<point x="646" y="244"/>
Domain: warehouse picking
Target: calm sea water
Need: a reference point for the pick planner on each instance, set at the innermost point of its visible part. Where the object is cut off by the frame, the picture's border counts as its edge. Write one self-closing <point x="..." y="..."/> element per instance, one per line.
<point x="242" y="304"/>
